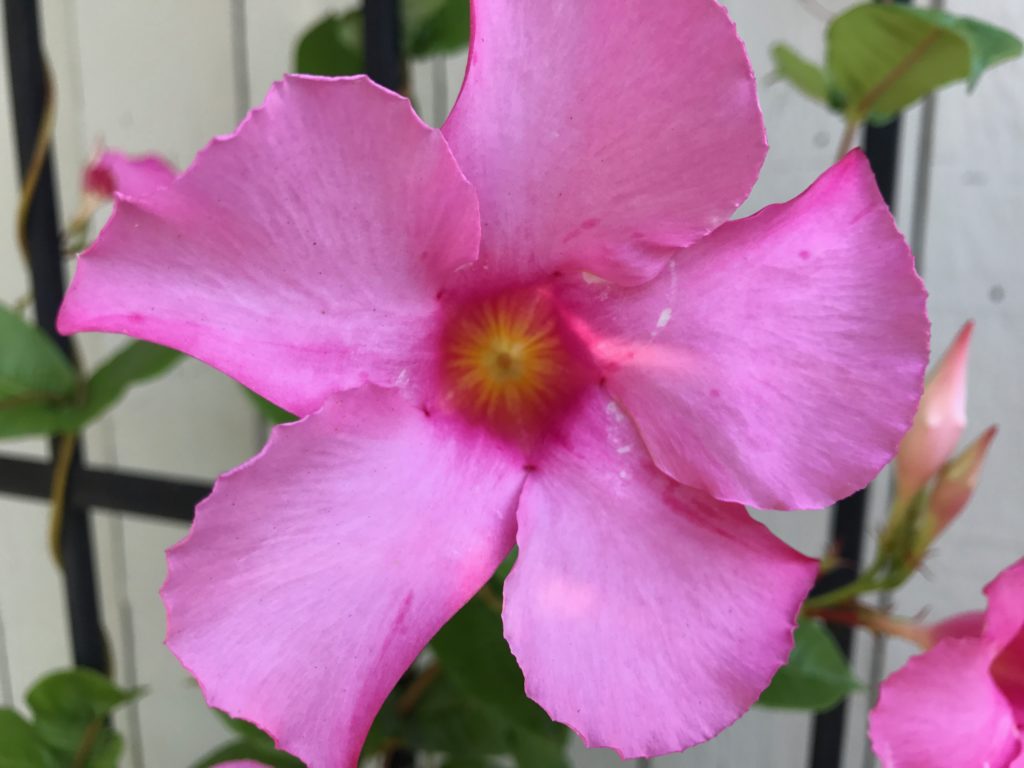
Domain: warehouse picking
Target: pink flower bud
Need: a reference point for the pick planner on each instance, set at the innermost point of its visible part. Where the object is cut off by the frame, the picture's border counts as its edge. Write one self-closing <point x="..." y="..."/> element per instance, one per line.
<point x="940" y="420"/>
<point x="956" y="483"/>
<point x="134" y="176"/>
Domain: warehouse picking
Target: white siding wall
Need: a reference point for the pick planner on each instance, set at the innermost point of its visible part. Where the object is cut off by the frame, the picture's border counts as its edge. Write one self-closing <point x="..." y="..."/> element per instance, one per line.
<point x="166" y="75"/>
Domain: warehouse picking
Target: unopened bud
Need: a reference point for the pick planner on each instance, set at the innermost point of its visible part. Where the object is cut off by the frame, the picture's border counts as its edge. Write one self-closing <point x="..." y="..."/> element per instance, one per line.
<point x="939" y="422"/>
<point x="956" y="484"/>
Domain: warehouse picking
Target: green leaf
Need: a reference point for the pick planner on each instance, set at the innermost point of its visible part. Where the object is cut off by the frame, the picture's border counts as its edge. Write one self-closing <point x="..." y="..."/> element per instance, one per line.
<point x="274" y="414"/>
<point x="808" y="78"/>
<point x="882" y="58"/>
<point x="473" y="653"/>
<point x="446" y="720"/>
<point x="472" y="648"/>
<point x="68" y="705"/>
<point x="450" y="721"/>
<point x="77" y="694"/>
<point x="243" y="750"/>
<point x="333" y="46"/>
<point x="245" y="730"/>
<point x="35" y="418"/>
<point x="474" y="708"/>
<point x="20" y="745"/>
<point x="435" y="26"/>
<point x="32" y="367"/>
<point x="817" y="675"/>
<point x="252" y="744"/>
<point x="106" y="750"/>
<point x="386" y="728"/>
<point x="135" y="362"/>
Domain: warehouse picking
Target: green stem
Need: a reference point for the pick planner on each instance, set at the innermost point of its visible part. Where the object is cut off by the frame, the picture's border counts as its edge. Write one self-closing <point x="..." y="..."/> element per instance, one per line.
<point x="848" y="138"/>
<point x="879" y="622"/>
<point x="866" y="582"/>
<point x="85" y="748"/>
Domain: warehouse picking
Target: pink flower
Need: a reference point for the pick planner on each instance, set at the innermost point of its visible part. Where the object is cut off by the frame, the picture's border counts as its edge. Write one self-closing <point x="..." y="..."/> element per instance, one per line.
<point x="939" y="422"/>
<point x="495" y="336"/>
<point x="960" y="703"/>
<point x="114" y="172"/>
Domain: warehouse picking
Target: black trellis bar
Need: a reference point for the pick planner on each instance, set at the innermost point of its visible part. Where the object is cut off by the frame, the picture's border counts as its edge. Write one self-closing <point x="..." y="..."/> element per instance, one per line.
<point x="383" y="33"/>
<point x="30" y="94"/>
<point x="848" y="521"/>
<point x="122" y="491"/>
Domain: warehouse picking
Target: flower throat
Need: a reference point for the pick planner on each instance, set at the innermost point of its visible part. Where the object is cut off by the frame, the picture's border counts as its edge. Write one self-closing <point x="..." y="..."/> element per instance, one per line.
<point x="511" y="363"/>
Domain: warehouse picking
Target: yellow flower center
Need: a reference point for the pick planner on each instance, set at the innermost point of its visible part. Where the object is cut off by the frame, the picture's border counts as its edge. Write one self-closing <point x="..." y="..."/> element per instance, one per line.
<point x="509" y="361"/>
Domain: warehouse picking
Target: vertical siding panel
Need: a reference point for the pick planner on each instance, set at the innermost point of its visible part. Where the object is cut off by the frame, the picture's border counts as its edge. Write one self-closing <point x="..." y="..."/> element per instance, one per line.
<point x="31" y="597"/>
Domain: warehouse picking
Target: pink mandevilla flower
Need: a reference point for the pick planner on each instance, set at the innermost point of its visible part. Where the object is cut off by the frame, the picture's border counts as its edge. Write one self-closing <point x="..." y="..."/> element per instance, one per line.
<point x="518" y="329"/>
<point x="135" y="176"/>
<point x="960" y="703"/>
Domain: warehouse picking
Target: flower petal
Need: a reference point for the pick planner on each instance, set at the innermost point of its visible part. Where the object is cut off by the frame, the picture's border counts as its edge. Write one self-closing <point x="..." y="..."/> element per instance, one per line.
<point x="645" y="615"/>
<point x="961" y="625"/>
<point x="1004" y="618"/>
<point x="130" y="175"/>
<point x="1004" y="626"/>
<point x="779" y="361"/>
<point x="315" y="574"/>
<point x="301" y="256"/>
<point x="943" y="708"/>
<point x="603" y="135"/>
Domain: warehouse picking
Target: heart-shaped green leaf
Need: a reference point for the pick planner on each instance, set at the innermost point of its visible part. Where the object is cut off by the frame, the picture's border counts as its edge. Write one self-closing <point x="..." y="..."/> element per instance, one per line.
<point x="20" y="745"/>
<point x="134" y="363"/>
<point x="805" y="76"/>
<point x="70" y="709"/>
<point x="882" y="58"/>
<point x="817" y="675"/>
<point x="32" y="367"/>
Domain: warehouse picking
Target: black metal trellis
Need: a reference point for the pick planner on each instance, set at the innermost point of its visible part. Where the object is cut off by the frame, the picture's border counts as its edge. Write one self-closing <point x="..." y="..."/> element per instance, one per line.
<point x="30" y="92"/>
<point x="175" y="499"/>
